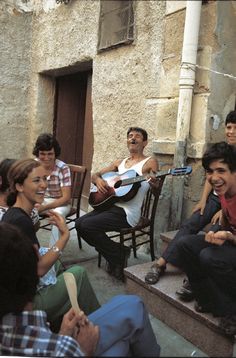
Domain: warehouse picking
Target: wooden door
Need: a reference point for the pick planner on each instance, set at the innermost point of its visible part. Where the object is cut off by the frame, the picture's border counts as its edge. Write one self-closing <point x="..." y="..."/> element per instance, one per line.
<point x="73" y="122"/>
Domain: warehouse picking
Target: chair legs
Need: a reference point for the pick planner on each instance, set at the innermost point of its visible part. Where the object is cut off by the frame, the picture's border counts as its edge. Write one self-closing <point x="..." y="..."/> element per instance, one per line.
<point x="134" y="244"/>
<point x="99" y="259"/>
<point x="152" y="245"/>
<point x="79" y="241"/>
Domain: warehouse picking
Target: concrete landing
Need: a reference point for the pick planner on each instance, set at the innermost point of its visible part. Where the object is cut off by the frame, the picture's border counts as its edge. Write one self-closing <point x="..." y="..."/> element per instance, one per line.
<point x="200" y="329"/>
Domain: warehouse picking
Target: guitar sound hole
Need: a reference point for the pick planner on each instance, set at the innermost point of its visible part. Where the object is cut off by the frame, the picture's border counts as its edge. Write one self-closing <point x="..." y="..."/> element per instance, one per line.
<point x="117" y="184"/>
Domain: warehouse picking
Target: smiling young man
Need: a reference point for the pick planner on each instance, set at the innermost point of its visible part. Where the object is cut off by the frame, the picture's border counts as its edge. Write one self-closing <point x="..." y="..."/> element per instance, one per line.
<point x="210" y="260"/>
<point x="93" y="226"/>
<point x="207" y="210"/>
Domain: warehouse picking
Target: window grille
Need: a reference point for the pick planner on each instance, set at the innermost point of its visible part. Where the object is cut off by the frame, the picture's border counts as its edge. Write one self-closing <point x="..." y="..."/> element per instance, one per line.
<point x="116" y="23"/>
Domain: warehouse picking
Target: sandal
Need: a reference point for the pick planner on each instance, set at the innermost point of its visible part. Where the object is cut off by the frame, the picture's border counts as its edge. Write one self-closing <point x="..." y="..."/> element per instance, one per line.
<point x="154" y="274"/>
<point x="185" y="293"/>
<point x="201" y="308"/>
<point x="228" y="325"/>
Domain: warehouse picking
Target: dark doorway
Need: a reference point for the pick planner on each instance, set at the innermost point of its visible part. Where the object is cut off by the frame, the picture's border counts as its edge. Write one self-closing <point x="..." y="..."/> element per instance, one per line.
<point x="73" y="124"/>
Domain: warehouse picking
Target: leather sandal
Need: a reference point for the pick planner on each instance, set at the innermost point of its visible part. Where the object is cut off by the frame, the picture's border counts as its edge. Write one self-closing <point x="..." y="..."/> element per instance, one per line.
<point x="201" y="308"/>
<point x="154" y="274"/>
<point x="228" y="325"/>
<point x="185" y="293"/>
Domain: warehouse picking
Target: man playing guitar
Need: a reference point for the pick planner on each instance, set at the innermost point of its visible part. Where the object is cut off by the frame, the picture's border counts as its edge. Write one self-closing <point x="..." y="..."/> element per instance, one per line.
<point x="93" y="226"/>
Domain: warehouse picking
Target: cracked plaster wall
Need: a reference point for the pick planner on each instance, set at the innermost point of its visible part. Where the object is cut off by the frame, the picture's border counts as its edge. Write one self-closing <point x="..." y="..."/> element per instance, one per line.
<point x="131" y="85"/>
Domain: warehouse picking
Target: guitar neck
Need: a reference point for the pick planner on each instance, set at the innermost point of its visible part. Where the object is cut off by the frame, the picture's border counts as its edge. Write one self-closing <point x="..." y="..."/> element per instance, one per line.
<point x="140" y="178"/>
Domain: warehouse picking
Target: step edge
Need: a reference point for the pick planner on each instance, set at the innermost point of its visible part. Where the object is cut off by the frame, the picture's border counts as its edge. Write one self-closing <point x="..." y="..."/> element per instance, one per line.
<point x="201" y="317"/>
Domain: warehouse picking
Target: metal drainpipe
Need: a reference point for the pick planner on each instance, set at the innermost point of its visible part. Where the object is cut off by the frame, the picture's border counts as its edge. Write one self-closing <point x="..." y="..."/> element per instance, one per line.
<point x="186" y="85"/>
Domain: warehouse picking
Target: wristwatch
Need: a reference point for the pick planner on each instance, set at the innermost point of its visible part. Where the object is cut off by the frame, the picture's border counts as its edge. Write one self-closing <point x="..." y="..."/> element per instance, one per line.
<point x="57" y="250"/>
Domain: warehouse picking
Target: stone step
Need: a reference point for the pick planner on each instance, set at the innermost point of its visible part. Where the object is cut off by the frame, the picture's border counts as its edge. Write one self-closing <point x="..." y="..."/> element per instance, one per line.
<point x="200" y="329"/>
<point x="166" y="237"/>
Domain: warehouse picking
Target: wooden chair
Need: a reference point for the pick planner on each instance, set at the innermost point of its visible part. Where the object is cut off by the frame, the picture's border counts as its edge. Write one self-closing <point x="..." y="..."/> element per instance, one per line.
<point x="78" y="173"/>
<point x="145" y="227"/>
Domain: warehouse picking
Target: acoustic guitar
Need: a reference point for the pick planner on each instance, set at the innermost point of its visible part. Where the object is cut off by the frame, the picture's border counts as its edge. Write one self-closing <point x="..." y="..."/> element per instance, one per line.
<point x="123" y="187"/>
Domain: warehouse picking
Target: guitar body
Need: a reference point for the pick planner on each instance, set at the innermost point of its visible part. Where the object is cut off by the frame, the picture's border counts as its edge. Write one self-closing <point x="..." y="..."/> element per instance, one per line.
<point x="102" y="201"/>
<point x="123" y="187"/>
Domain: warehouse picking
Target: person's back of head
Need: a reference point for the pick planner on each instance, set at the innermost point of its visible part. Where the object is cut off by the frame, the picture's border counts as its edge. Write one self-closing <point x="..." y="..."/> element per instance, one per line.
<point x="4" y="168"/>
<point x="230" y="118"/>
<point x="46" y="142"/>
<point x="220" y="151"/>
<point x="18" y="267"/>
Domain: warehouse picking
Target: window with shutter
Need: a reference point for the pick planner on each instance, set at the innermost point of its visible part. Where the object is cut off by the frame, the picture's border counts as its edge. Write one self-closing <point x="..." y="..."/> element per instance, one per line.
<point x="116" y="23"/>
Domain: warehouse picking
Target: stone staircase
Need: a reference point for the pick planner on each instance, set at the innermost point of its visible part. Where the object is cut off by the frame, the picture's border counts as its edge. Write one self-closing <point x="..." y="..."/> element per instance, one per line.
<point x="200" y="329"/>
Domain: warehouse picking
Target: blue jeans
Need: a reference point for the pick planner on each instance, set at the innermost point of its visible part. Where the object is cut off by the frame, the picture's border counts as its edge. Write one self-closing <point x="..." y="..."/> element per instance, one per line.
<point x="125" y="329"/>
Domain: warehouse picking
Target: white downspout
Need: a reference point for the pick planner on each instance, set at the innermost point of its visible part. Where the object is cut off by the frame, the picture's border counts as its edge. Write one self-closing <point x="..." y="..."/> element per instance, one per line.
<point x="186" y="85"/>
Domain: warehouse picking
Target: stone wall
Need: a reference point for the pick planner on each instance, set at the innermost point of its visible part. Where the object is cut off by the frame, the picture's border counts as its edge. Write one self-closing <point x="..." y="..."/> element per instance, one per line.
<point x="214" y="94"/>
<point x="125" y="79"/>
<point x="136" y="84"/>
<point x="15" y="42"/>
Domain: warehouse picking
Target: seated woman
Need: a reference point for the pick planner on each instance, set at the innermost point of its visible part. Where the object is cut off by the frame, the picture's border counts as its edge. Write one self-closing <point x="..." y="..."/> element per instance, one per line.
<point x="28" y="183"/>
<point x="4" y="186"/>
<point x="58" y="193"/>
<point x="120" y="328"/>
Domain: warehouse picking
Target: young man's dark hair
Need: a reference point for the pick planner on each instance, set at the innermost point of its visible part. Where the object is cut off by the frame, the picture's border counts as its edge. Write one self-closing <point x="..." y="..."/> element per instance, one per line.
<point x="231" y="117"/>
<point x="46" y="141"/>
<point x="220" y="151"/>
<point x="140" y="130"/>
<point x="17" y="254"/>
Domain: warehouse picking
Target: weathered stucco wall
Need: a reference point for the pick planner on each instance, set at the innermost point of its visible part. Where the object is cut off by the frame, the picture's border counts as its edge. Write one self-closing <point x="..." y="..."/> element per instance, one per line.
<point x="136" y="84"/>
<point x="125" y="80"/>
<point x="214" y="95"/>
<point x="64" y="36"/>
<point x="15" y="41"/>
<point x="125" y="84"/>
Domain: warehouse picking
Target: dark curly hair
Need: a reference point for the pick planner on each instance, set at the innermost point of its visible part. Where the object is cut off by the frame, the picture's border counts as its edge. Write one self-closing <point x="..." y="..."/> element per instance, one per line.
<point x="220" y="151"/>
<point x="230" y="118"/>
<point x="18" y="267"/>
<point x="140" y="130"/>
<point x="46" y="141"/>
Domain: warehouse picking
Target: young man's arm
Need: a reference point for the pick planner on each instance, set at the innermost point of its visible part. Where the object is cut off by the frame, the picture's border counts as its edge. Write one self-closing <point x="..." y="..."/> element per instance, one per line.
<point x="219" y="237"/>
<point x="202" y="202"/>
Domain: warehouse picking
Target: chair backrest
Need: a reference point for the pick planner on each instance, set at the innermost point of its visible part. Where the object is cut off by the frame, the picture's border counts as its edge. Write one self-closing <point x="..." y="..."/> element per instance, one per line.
<point x="78" y="173"/>
<point x="151" y="200"/>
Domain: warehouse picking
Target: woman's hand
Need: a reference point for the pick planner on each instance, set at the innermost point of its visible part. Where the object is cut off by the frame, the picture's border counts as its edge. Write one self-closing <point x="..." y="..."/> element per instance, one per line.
<point x="58" y="220"/>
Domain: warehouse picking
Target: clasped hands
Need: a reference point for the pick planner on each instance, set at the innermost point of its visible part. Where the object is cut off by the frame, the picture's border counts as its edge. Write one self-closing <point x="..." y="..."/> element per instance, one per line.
<point x="219" y="237"/>
<point x="78" y="326"/>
